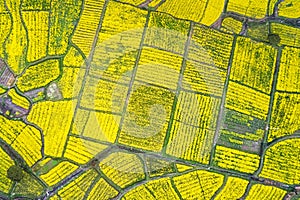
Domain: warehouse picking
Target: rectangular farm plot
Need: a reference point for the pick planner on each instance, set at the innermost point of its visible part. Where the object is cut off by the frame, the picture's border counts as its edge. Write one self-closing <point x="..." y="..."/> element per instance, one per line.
<point x="37" y="26"/>
<point x="251" y="8"/>
<point x="193" y="127"/>
<point x="184" y="9"/>
<point x="289" y="71"/>
<point x="147" y="117"/>
<point x="203" y="78"/>
<point x="210" y="46"/>
<point x="246" y="100"/>
<point x="285" y="115"/>
<point x="289" y="35"/>
<point x="101" y="126"/>
<point x="120" y="37"/>
<point x="253" y="64"/>
<point x="159" y="68"/>
<point x="232" y="159"/>
<point x="103" y="95"/>
<point x="88" y="24"/>
<point x="167" y="32"/>
<point x="241" y="131"/>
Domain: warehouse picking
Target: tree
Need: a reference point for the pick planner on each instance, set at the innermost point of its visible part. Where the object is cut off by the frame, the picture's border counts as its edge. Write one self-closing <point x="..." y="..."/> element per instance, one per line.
<point x="15" y="173"/>
<point x="274" y="39"/>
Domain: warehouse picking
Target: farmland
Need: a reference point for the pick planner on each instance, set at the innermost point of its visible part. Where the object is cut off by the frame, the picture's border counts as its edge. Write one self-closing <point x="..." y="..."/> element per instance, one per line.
<point x="162" y="99"/>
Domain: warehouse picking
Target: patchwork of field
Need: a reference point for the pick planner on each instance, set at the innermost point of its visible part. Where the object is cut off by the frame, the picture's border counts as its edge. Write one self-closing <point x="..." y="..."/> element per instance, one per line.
<point x="162" y="99"/>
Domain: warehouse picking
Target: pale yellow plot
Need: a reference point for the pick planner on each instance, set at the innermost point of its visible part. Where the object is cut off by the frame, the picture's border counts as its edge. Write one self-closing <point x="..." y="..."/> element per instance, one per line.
<point x="58" y="173"/>
<point x="102" y="190"/>
<point x="289" y="72"/>
<point x="29" y="145"/>
<point x="103" y="95"/>
<point x="192" y="133"/>
<point x="159" y="67"/>
<point x="87" y="26"/>
<point x="39" y="75"/>
<point x="122" y="168"/>
<point x="102" y="126"/>
<point x="37" y="27"/>
<point x="76" y="189"/>
<point x="119" y="18"/>
<point x="119" y="40"/>
<point x="166" y="32"/>
<point x="234" y="159"/>
<point x="54" y="118"/>
<point x="248" y="101"/>
<point x="80" y="120"/>
<point x="6" y="163"/>
<point x="198" y="184"/>
<point x="201" y="77"/>
<point x="16" y="42"/>
<point x="281" y="162"/>
<point x="81" y="151"/>
<point x="264" y="192"/>
<point x="70" y="82"/>
<point x="289" y="9"/>
<point x="190" y="143"/>
<point x="233" y="189"/>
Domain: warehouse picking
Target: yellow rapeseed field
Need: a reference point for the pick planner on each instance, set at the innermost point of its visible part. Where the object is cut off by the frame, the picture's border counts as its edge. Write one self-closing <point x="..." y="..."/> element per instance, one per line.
<point x="198" y="184"/>
<point x="88" y="25"/>
<point x="285" y="112"/>
<point x="78" y="187"/>
<point x="259" y="191"/>
<point x="122" y="168"/>
<point x="39" y="75"/>
<point x="280" y="162"/>
<point x="233" y="159"/>
<point x="102" y="190"/>
<point x="58" y="173"/>
<point x="37" y="27"/>
<point x="233" y="189"/>
<point x="54" y="118"/>
<point x="81" y="151"/>
<point x="6" y="163"/>
<point x="16" y="42"/>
